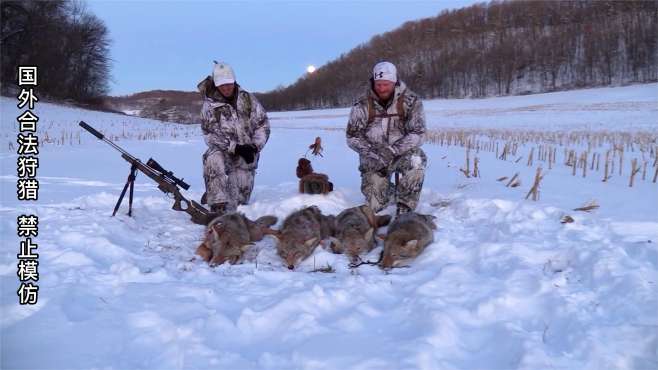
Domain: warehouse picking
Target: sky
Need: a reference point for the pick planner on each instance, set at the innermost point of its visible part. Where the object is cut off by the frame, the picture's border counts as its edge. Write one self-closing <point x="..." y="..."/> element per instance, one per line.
<point x="171" y="45"/>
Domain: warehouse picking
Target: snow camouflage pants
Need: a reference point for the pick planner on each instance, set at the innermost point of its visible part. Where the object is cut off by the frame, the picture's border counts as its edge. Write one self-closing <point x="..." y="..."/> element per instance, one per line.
<point x="226" y="180"/>
<point x="379" y="190"/>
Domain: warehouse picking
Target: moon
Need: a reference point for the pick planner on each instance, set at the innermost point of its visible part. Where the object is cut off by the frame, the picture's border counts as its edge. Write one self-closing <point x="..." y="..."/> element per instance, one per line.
<point x="310" y="69"/>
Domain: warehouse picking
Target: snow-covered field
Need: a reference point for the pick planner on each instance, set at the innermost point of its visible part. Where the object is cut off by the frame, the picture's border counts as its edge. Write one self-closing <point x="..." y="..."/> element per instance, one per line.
<point x="504" y="286"/>
<point x="619" y="108"/>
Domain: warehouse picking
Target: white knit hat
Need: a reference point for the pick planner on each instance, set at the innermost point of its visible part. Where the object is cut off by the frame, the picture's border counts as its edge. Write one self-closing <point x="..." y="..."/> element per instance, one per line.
<point x="385" y="71"/>
<point x="222" y="73"/>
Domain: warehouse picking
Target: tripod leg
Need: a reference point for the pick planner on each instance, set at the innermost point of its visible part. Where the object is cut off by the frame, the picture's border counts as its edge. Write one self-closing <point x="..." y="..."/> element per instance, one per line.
<point x="129" y="182"/>
<point x="130" y="196"/>
<point x="123" y="192"/>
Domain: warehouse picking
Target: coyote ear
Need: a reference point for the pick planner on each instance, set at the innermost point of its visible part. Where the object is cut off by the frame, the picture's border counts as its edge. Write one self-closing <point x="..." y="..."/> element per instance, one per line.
<point x="266" y="221"/>
<point x="310" y="242"/>
<point x="369" y="234"/>
<point x="411" y="244"/>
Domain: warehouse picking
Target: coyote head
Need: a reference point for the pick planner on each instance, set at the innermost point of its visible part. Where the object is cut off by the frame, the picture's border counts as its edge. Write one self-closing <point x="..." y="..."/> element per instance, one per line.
<point x="293" y="249"/>
<point x="397" y="249"/>
<point x="226" y="245"/>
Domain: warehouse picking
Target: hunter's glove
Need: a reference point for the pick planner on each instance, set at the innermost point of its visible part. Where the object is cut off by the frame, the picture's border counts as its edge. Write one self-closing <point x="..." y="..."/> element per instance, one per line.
<point x="246" y="151"/>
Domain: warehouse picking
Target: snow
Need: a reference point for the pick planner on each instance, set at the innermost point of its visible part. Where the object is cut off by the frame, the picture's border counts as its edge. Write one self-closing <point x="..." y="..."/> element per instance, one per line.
<point x="504" y="285"/>
<point x="631" y="107"/>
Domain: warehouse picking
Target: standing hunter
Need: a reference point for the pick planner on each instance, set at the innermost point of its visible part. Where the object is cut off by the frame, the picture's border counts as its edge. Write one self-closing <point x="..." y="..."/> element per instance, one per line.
<point x="235" y="128"/>
<point x="386" y="128"/>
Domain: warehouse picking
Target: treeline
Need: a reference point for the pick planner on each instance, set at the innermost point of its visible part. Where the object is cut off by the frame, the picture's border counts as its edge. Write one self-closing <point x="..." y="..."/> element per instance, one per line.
<point x="495" y="48"/>
<point x="163" y="105"/>
<point x="69" y="45"/>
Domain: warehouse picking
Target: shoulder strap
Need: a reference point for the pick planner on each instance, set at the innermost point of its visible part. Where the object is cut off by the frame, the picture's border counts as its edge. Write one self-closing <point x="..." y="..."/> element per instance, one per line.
<point x="247" y="98"/>
<point x="400" y="108"/>
<point x="371" y="109"/>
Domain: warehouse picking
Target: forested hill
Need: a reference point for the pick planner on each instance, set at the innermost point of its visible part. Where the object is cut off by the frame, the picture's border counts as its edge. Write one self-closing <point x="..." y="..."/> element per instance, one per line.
<point x="495" y="48"/>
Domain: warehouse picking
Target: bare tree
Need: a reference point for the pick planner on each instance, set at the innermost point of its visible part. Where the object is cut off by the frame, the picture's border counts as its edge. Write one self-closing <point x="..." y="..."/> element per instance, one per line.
<point x="68" y="44"/>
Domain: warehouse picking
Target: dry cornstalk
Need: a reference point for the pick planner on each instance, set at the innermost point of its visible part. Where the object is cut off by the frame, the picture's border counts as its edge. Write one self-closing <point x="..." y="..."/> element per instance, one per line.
<point x="574" y="165"/>
<point x="534" y="191"/>
<point x="587" y="207"/>
<point x="467" y="170"/>
<point x="621" y="159"/>
<point x="591" y="168"/>
<point x="476" y="169"/>
<point x="634" y="170"/>
<point x="532" y="151"/>
<point x="551" y="158"/>
<point x="605" y="170"/>
<point x="505" y="151"/>
<point x="584" y="164"/>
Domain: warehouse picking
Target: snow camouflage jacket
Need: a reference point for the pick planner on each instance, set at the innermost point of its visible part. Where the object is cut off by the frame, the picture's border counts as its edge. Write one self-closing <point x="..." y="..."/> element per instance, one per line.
<point x="224" y="126"/>
<point x="385" y="126"/>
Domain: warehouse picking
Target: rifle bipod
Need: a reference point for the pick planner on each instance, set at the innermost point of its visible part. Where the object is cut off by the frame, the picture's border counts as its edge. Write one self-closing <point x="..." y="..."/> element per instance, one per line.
<point x="129" y="182"/>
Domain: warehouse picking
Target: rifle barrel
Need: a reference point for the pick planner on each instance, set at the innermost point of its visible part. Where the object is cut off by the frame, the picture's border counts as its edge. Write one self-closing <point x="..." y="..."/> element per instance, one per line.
<point x="100" y="136"/>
